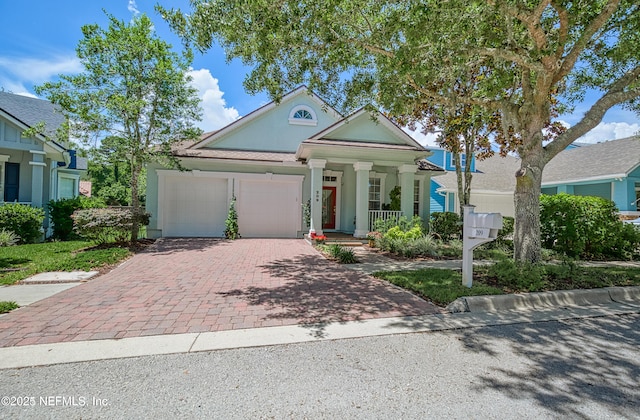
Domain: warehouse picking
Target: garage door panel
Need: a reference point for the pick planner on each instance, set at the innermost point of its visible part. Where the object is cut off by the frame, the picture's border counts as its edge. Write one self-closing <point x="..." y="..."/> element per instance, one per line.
<point x="194" y="206"/>
<point x="268" y="208"/>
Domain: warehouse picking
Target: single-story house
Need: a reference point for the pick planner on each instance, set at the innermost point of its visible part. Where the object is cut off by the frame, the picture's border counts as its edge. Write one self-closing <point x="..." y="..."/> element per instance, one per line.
<point x="282" y="158"/>
<point x="610" y="169"/>
<point x="35" y="169"/>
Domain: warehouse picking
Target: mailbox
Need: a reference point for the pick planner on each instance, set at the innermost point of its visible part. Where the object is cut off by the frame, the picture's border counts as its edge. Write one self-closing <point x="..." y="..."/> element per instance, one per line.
<point x="478" y="229"/>
<point x="484" y="225"/>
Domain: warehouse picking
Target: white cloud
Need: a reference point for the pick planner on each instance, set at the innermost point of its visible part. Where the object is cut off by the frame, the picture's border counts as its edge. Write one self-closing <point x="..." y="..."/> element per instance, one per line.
<point x="133" y="7"/>
<point x="423" y="139"/>
<point x="37" y="70"/>
<point x="610" y="131"/>
<point x="216" y="113"/>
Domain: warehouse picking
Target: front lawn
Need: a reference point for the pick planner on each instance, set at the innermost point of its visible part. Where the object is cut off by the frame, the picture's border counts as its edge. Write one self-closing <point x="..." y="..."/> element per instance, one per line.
<point x="22" y="261"/>
<point x="442" y="286"/>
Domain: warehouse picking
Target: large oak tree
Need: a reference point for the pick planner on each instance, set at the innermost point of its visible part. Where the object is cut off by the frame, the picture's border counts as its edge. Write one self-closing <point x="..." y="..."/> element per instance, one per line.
<point x="399" y="55"/>
<point x="134" y="91"/>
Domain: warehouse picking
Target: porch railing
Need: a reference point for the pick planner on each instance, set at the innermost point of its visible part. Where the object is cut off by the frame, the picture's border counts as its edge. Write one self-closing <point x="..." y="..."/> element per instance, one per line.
<point x="382" y="214"/>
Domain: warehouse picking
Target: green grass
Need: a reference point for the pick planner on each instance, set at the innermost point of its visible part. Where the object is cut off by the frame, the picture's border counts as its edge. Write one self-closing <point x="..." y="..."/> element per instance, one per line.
<point x="440" y="286"/>
<point x="22" y="261"/>
<point x="7" y="306"/>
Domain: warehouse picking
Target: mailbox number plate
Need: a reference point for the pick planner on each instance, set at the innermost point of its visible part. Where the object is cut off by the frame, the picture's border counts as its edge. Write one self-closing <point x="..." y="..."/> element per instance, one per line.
<point x="479" y="232"/>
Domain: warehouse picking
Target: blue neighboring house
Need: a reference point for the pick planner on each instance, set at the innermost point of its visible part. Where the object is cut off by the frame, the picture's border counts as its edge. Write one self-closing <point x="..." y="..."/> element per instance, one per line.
<point x="441" y="199"/>
<point x="610" y="170"/>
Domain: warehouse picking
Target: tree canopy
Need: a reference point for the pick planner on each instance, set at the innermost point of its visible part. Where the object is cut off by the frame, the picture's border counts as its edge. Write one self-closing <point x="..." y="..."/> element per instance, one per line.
<point x="134" y="90"/>
<point x="535" y="57"/>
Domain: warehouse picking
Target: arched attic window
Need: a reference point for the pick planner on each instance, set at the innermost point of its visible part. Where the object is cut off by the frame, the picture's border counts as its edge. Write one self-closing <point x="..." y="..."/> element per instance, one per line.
<point x="302" y="115"/>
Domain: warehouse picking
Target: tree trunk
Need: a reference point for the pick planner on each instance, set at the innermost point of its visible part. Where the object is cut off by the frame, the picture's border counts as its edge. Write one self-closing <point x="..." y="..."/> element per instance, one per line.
<point x="526" y="239"/>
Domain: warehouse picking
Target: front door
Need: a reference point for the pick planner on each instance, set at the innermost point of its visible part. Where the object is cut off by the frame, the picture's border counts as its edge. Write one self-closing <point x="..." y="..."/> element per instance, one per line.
<point x="11" y="181"/>
<point x="329" y="207"/>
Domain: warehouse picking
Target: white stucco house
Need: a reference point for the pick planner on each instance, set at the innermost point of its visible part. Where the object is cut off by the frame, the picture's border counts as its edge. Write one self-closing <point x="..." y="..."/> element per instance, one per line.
<point x="281" y="156"/>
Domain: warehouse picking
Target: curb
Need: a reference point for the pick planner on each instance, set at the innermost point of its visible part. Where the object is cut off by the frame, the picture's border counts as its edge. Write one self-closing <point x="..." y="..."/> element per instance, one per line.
<point x="545" y="300"/>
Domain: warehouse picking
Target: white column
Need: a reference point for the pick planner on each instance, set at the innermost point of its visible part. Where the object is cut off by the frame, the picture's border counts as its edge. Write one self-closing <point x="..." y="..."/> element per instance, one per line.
<point x="362" y="198"/>
<point x="316" y="166"/>
<point x="407" y="176"/>
<point x="37" y="176"/>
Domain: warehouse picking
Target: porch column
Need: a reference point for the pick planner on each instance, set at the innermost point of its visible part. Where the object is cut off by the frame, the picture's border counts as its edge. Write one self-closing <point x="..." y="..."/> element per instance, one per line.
<point x="37" y="176"/>
<point x="407" y="176"/>
<point x="362" y="198"/>
<point x="316" y="166"/>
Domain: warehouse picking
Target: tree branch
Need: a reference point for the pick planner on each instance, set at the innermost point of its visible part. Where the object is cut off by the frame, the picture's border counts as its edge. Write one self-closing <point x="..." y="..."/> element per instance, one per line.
<point x="512" y="57"/>
<point x="595" y="25"/>
<point x="616" y="95"/>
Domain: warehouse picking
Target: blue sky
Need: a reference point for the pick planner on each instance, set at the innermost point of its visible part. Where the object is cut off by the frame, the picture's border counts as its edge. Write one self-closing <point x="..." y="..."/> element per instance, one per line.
<point x="39" y="39"/>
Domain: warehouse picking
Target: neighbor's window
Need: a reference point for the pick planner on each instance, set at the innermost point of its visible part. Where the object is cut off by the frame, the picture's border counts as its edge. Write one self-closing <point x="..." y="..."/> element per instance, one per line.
<point x="463" y="160"/>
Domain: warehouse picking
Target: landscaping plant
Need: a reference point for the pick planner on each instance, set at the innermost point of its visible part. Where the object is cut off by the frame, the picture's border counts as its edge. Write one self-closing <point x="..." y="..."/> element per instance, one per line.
<point x="586" y="228"/>
<point x="231" y="224"/>
<point x="446" y="225"/>
<point x="103" y="225"/>
<point x="24" y="221"/>
<point x="8" y="238"/>
<point x="60" y="214"/>
<point x="7" y="306"/>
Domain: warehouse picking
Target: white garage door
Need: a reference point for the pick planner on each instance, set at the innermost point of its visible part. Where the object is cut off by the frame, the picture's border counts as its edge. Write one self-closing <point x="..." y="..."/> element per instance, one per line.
<point x="194" y="206"/>
<point x="268" y="208"/>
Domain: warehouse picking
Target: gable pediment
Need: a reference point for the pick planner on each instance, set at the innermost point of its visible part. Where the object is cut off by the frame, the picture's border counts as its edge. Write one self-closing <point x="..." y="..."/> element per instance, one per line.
<point x="366" y="127"/>
<point x="275" y="127"/>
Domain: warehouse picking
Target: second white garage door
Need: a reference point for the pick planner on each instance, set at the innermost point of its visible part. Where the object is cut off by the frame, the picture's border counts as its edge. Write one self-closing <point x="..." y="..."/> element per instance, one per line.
<point x="269" y="208"/>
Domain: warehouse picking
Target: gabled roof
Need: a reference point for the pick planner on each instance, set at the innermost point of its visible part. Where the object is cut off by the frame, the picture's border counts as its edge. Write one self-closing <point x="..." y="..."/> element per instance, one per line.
<point x="214" y="136"/>
<point x="609" y="159"/>
<point x="28" y="112"/>
<point x="401" y="135"/>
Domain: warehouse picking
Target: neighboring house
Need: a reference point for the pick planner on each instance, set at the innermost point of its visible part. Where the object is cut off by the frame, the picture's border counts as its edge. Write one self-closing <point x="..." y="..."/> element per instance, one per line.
<point x="282" y="156"/>
<point x="609" y="169"/>
<point x="34" y="170"/>
<point x="492" y="186"/>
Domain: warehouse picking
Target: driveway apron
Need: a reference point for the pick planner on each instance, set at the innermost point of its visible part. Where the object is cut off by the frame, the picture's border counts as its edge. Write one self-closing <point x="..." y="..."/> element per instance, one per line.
<point x="200" y="285"/>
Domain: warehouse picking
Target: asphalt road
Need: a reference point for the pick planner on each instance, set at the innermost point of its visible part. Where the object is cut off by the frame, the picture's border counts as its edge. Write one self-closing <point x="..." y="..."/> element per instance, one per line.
<point x="588" y="368"/>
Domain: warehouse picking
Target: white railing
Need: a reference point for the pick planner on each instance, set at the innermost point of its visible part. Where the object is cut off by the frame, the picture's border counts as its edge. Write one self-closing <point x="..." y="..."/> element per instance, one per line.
<point x="382" y="214"/>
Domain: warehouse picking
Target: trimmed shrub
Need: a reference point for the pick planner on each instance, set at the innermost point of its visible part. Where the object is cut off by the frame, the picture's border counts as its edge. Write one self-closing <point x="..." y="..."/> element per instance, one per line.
<point x="585" y="227"/>
<point x="60" y="214"/>
<point x="24" y="221"/>
<point x="446" y="225"/>
<point x="103" y="225"/>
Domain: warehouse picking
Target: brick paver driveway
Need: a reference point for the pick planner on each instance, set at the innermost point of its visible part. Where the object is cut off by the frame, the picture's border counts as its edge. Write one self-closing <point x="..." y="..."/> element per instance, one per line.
<point x="198" y="285"/>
